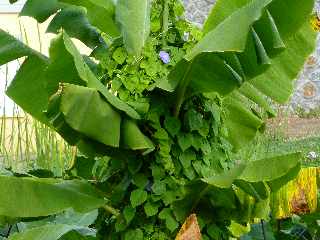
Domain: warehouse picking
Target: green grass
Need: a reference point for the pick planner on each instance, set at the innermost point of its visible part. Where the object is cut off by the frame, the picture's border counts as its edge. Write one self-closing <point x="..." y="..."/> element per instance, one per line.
<point x="267" y="145"/>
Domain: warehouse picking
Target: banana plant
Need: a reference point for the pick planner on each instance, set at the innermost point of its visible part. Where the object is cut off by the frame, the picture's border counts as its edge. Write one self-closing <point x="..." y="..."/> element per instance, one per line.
<point x="159" y="149"/>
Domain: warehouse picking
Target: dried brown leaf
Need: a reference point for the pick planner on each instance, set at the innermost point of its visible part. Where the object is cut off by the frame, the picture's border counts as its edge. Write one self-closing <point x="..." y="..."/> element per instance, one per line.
<point x="190" y="230"/>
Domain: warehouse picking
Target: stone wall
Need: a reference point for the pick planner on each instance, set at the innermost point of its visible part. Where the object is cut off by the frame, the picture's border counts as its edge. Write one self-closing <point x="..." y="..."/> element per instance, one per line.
<point x="307" y="91"/>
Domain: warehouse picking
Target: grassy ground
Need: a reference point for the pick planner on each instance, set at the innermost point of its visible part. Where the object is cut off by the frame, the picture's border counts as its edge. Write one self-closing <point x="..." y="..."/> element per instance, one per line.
<point x="270" y="145"/>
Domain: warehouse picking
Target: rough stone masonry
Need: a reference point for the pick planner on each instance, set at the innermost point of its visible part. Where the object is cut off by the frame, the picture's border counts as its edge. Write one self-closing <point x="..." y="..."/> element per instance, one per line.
<point x="307" y="92"/>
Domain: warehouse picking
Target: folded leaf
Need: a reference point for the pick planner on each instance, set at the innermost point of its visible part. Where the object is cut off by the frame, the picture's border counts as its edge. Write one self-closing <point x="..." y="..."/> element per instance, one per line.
<point x="75" y="22"/>
<point x="86" y="112"/>
<point x="80" y="113"/>
<point x="241" y="123"/>
<point x="133" y="138"/>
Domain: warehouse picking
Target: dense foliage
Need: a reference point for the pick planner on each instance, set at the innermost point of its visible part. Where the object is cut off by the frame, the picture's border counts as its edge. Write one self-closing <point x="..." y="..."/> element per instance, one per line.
<point x="155" y="112"/>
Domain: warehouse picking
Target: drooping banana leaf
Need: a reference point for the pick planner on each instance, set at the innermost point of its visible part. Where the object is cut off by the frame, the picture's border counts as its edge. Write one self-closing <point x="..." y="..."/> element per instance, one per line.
<point x="41" y="78"/>
<point x="249" y="47"/>
<point x="12" y="49"/>
<point x="80" y="19"/>
<point x="40" y="10"/>
<point x="134" y="18"/>
<point x="84" y="109"/>
<point x="70" y="17"/>
<point x="42" y="197"/>
<point x="31" y="78"/>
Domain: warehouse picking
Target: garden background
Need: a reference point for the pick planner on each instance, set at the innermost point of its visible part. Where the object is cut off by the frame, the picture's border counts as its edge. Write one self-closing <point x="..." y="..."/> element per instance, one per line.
<point x="26" y="144"/>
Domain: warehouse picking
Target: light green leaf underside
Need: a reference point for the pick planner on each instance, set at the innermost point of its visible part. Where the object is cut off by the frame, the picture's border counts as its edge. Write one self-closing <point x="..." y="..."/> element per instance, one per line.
<point x="264" y="170"/>
<point x="133" y="17"/>
<point x="241" y="122"/>
<point x="46" y="232"/>
<point x="43" y="197"/>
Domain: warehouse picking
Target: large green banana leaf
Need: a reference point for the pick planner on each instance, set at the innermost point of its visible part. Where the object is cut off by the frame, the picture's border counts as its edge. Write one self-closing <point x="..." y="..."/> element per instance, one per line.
<point x="32" y="197"/>
<point x="41" y="78"/>
<point x="250" y="48"/>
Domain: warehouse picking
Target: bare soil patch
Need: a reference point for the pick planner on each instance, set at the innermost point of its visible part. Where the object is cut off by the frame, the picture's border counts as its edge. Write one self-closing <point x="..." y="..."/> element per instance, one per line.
<point x="295" y="127"/>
